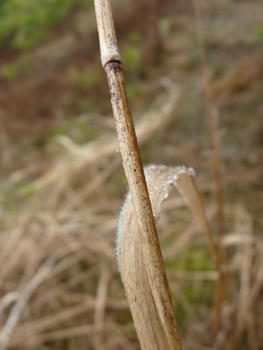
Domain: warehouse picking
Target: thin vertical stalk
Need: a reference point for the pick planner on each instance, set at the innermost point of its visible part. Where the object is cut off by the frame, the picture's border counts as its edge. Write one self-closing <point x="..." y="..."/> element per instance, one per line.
<point x="134" y="172"/>
<point x="215" y="159"/>
<point x="213" y="129"/>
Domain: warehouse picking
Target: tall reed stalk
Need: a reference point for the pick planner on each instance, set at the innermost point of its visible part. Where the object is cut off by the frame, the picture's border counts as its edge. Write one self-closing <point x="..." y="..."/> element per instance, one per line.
<point x="133" y="168"/>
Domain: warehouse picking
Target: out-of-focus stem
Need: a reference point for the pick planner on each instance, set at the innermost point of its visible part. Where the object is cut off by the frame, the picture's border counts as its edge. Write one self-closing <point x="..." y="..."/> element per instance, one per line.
<point x="213" y="130"/>
<point x="215" y="158"/>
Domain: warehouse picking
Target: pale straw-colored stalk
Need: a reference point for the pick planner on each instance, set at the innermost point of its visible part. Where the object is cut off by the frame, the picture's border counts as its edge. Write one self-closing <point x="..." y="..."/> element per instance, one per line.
<point x="133" y="168"/>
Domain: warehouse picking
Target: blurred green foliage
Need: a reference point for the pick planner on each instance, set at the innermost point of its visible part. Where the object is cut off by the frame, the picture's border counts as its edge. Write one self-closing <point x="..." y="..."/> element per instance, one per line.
<point x="132" y="92"/>
<point x="164" y="27"/>
<point x="16" y="70"/>
<point x="193" y="259"/>
<point x="198" y="292"/>
<point x="191" y="63"/>
<point x="10" y="71"/>
<point x="79" y="129"/>
<point x="26" y="23"/>
<point x="131" y="58"/>
<point x="258" y="34"/>
<point x="85" y="79"/>
<point x="134" y="36"/>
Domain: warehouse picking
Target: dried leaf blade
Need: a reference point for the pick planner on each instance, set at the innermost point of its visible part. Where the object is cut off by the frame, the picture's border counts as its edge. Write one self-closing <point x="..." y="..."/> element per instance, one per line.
<point x="150" y="326"/>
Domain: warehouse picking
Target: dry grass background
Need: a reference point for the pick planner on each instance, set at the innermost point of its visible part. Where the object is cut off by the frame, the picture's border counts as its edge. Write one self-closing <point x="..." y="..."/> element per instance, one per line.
<point x="59" y="282"/>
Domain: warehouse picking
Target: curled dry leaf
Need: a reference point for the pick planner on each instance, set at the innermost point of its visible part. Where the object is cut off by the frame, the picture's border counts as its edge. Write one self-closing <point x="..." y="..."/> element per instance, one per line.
<point x="150" y="326"/>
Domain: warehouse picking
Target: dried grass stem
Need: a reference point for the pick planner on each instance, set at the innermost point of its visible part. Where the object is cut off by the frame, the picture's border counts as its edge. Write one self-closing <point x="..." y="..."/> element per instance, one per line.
<point x="133" y="168"/>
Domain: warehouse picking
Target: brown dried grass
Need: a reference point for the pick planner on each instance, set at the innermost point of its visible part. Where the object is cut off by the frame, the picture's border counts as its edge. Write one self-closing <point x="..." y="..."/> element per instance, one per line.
<point x="59" y="281"/>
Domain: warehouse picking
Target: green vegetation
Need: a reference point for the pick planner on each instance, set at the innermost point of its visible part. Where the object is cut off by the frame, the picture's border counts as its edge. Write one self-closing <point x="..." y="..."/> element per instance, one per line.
<point x="258" y="34"/>
<point x="131" y="58"/>
<point x="194" y="258"/>
<point x="85" y="79"/>
<point x="79" y="130"/>
<point x="26" y="23"/>
<point x="13" y="71"/>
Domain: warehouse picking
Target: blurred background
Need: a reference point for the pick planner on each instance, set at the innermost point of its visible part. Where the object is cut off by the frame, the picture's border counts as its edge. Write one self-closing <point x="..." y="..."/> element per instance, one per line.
<point x="62" y="182"/>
